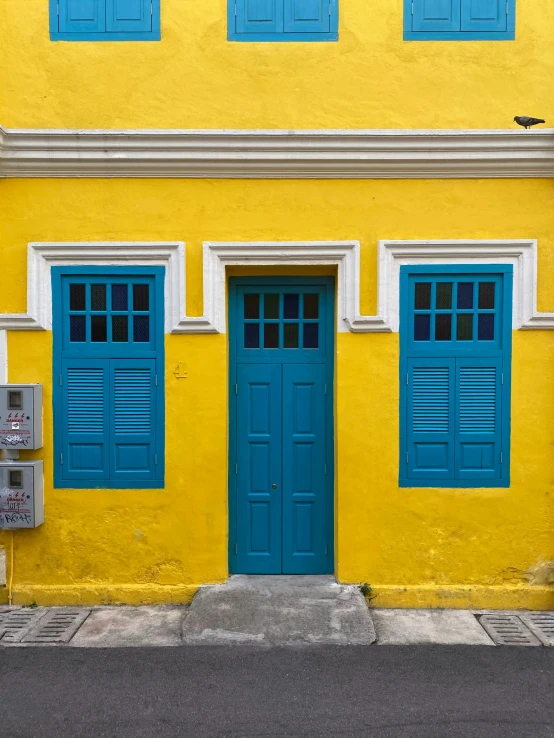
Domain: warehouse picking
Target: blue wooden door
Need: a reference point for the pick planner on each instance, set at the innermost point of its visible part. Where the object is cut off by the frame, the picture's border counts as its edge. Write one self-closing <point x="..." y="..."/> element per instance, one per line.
<point x="281" y="438"/>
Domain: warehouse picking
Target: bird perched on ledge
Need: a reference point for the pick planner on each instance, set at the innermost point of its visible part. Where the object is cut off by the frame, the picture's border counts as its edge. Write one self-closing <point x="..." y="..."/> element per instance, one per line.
<point x="523" y="120"/>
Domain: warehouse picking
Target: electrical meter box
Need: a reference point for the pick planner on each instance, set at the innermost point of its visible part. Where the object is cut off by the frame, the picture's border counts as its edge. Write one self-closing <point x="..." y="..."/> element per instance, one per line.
<point x="21" y="494"/>
<point x="20" y="416"/>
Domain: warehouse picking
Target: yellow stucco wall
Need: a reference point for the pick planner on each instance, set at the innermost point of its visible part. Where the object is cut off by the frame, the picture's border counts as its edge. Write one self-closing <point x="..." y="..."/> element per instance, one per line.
<point x="427" y="547"/>
<point x="194" y="78"/>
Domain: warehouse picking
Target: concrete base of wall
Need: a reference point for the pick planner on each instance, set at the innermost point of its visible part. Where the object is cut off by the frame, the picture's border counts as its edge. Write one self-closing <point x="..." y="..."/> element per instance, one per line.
<point x="478" y="597"/>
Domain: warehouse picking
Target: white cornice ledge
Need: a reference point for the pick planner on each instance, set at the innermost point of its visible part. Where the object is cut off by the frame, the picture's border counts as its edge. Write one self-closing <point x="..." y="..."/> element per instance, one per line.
<point x="244" y="154"/>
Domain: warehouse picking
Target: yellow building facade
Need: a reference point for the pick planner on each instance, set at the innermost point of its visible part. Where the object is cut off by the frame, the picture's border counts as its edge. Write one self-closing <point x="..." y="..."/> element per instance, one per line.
<point x="353" y="159"/>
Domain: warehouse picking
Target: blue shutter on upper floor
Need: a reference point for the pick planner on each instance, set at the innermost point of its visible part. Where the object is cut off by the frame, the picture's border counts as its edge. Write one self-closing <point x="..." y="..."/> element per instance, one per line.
<point x="484" y="15"/>
<point x="478" y="421"/>
<point x="133" y="420"/>
<point x="82" y="16"/>
<point x="85" y="437"/>
<point x="259" y="16"/>
<point x="307" y="16"/>
<point x="430" y="418"/>
<point x="436" y="16"/>
<point x="128" y="16"/>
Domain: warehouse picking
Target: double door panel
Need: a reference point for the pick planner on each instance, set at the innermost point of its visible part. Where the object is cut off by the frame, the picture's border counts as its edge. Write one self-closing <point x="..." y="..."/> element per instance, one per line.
<point x="281" y="470"/>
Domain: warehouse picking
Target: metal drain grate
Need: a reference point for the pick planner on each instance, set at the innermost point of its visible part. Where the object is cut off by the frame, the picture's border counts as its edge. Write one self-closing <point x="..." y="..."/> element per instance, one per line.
<point x="57" y="626"/>
<point x="542" y="625"/>
<point x="508" y="630"/>
<point x="15" y="625"/>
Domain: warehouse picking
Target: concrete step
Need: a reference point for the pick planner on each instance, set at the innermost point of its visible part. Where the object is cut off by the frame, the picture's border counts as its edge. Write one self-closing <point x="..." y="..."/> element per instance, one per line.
<point x="279" y="611"/>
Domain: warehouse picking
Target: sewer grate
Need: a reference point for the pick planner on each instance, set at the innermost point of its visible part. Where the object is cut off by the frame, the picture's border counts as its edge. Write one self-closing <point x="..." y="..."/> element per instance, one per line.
<point x="508" y="630"/>
<point x="542" y="625"/>
<point x="57" y="626"/>
<point x="14" y="625"/>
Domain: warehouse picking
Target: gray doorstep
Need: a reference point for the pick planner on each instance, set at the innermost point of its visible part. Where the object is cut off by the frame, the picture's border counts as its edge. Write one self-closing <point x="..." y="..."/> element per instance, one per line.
<point x="278" y="611"/>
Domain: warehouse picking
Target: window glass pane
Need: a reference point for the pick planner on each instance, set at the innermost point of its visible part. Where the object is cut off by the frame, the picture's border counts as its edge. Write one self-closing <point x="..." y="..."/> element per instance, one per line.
<point x="77" y="298"/>
<point x="98" y="296"/>
<point x="271" y="335"/>
<point x="423" y="296"/>
<point x="422" y="327"/>
<point x="465" y="295"/>
<point x="443" y="328"/>
<point x="291" y="335"/>
<point x="291" y="306"/>
<point x="141" y="297"/>
<point x="141" y="328"/>
<point x="486" y="295"/>
<point x="119" y="328"/>
<point x="77" y="328"/>
<point x="485" y="327"/>
<point x="311" y="335"/>
<point x="444" y="295"/>
<point x="98" y="328"/>
<point x="271" y="306"/>
<point x="251" y="335"/>
<point x="252" y="308"/>
<point x="311" y="306"/>
<point x="465" y="328"/>
<point x="119" y="297"/>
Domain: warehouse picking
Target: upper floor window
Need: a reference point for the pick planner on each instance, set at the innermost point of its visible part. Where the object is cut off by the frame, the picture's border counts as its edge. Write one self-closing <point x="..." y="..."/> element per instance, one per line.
<point x="283" y="20"/>
<point x="105" y="20"/>
<point x="459" y="20"/>
<point x="455" y="344"/>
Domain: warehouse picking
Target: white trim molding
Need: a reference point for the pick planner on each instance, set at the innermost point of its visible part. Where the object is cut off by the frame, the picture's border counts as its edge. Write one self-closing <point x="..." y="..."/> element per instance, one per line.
<point x="42" y="256"/>
<point x="282" y="154"/>
<point x="217" y="256"/>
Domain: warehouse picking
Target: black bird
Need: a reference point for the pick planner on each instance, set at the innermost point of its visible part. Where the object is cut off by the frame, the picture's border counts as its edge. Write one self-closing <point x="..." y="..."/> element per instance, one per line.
<point x="523" y="120"/>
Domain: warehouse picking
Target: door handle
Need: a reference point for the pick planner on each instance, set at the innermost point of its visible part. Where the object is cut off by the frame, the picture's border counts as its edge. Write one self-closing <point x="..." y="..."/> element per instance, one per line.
<point x="274" y="486"/>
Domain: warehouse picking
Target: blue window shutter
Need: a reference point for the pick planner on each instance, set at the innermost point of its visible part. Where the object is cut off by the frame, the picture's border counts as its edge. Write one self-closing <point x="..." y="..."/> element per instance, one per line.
<point x="436" y="16"/>
<point x="307" y="16"/>
<point x="485" y="15"/>
<point x="85" y="444"/>
<point x="478" y="421"/>
<point x="133" y="420"/>
<point x="82" y="16"/>
<point x="128" y="16"/>
<point x="259" y="16"/>
<point x="430" y="418"/>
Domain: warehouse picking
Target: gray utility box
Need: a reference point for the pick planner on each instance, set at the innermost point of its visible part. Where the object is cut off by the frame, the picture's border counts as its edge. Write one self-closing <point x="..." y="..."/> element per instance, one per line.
<point x="20" y="416"/>
<point x="21" y="494"/>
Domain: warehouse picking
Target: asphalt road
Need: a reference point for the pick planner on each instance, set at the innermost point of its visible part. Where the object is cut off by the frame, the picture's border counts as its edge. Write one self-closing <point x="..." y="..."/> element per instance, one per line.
<point x="239" y="692"/>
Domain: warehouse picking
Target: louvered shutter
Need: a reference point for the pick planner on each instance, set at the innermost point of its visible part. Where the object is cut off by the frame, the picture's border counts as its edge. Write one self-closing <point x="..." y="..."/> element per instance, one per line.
<point x="82" y="16"/>
<point x="484" y="15"/>
<point x="430" y="418"/>
<point x="133" y="420"/>
<point x="85" y="443"/>
<point x="478" y="418"/>
<point x="128" y="16"/>
<point x="436" y="16"/>
<point x="259" y="16"/>
<point x="307" y="16"/>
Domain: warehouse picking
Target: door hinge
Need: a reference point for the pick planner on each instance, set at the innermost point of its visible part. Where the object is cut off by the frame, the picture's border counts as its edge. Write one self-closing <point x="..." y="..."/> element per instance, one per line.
<point x="236" y="468"/>
<point x="156" y="380"/>
<point x="330" y="10"/>
<point x="502" y="377"/>
<point x="326" y="551"/>
<point x="235" y="10"/>
<point x="325" y="468"/>
<point x="407" y="379"/>
<point x="407" y="457"/>
<point x="236" y="389"/>
<point x="58" y="8"/>
<point x="61" y="380"/>
<point x="412" y="8"/>
<point x="507" y="8"/>
<point x="155" y="459"/>
<point x="236" y="548"/>
<point x="151" y="8"/>
<point x="501" y="457"/>
<point x="61" y="459"/>
<point x="325" y="389"/>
